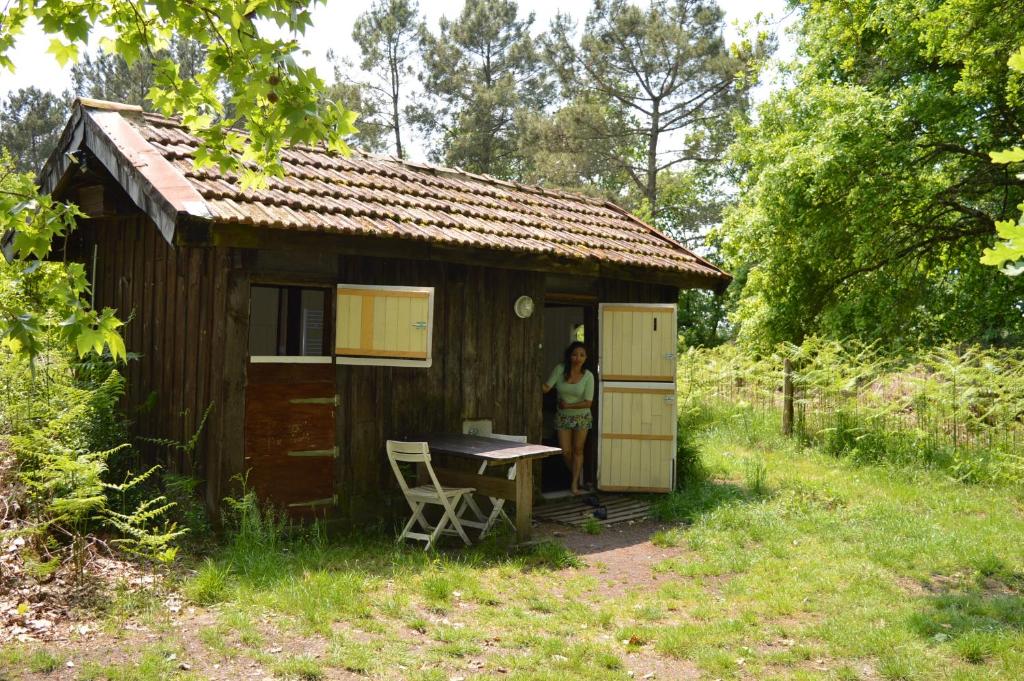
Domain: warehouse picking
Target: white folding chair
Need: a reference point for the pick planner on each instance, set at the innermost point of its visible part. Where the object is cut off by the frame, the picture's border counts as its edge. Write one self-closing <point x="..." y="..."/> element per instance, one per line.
<point x="485" y="523"/>
<point x="435" y="493"/>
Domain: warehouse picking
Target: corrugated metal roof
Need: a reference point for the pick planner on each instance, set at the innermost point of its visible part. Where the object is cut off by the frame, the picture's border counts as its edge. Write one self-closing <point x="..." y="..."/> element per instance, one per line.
<point x="383" y="196"/>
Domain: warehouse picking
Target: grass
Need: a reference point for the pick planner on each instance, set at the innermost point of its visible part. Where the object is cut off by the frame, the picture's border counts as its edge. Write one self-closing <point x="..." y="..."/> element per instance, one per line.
<point x="781" y="563"/>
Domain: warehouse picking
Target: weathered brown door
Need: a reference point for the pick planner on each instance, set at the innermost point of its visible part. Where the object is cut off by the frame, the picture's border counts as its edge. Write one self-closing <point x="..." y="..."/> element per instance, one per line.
<point x="290" y="444"/>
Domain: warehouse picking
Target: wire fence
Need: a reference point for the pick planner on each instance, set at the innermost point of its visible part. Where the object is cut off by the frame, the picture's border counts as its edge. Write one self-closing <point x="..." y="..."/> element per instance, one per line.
<point x="960" y="408"/>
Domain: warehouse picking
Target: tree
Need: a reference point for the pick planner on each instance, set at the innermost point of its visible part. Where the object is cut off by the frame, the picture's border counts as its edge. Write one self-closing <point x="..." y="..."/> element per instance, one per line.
<point x="30" y="123"/>
<point x="569" y="149"/>
<point x="109" y="76"/>
<point x="1008" y="254"/>
<point x="668" y="70"/>
<point x="279" y="101"/>
<point x="868" y="192"/>
<point x="484" y="74"/>
<point x="373" y="133"/>
<point x="388" y="34"/>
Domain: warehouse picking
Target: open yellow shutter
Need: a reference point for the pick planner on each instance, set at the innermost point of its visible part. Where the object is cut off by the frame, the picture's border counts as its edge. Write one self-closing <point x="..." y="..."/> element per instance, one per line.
<point x="384" y="322"/>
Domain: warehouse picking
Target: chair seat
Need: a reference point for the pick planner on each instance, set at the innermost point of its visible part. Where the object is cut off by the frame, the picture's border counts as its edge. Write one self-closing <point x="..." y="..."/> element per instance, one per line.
<point x="430" y="492"/>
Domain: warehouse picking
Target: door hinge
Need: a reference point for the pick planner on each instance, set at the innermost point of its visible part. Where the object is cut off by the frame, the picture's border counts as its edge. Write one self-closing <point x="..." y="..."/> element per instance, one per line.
<point x="329" y="501"/>
<point x="332" y="452"/>
<point x="335" y="400"/>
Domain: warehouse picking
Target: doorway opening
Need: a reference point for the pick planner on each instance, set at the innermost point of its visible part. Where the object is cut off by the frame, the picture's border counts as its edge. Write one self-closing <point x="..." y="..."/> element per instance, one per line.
<point x="566" y="319"/>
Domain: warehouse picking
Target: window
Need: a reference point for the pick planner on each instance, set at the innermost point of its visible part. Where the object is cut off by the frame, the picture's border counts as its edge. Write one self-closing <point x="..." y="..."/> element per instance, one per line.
<point x="384" y="325"/>
<point x="286" y="323"/>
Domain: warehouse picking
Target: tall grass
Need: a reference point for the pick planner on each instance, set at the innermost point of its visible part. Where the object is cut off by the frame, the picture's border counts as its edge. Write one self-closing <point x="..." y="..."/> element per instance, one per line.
<point x="958" y="409"/>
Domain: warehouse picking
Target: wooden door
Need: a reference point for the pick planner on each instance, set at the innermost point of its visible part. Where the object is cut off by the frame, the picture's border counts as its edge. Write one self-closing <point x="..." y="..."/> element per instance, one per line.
<point x="638" y="342"/>
<point x="637" y="425"/>
<point x="637" y="437"/>
<point x="290" y="444"/>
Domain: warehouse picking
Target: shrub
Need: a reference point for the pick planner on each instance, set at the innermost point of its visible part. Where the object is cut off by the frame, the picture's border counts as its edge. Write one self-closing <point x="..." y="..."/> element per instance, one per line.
<point x="66" y="433"/>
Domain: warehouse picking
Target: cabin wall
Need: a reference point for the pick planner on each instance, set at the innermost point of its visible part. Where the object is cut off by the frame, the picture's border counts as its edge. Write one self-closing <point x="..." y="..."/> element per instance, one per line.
<point x="181" y="309"/>
<point x="484" y="361"/>
<point x="187" y="313"/>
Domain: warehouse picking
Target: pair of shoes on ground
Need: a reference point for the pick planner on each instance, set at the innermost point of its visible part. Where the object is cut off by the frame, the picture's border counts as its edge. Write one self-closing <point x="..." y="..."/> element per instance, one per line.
<point x="600" y="511"/>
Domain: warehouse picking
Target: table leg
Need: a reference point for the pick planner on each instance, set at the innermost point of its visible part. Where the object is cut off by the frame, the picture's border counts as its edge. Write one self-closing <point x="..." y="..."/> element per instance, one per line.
<point x="524" y="499"/>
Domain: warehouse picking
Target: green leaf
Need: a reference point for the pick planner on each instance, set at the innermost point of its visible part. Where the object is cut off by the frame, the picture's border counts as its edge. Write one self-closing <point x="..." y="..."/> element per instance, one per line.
<point x="1015" y="155"/>
<point x="1016" y="61"/>
<point x="63" y="52"/>
<point x="89" y="340"/>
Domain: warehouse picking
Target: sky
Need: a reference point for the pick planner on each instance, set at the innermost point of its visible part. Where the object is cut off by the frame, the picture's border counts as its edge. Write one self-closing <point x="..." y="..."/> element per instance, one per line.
<point x="332" y="30"/>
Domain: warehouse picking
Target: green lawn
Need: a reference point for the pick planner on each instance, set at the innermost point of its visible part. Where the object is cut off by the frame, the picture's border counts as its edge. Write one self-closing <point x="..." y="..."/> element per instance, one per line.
<point x="784" y="564"/>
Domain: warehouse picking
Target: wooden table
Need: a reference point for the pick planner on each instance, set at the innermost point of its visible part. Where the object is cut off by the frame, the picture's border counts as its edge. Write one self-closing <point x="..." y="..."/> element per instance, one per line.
<point x="496" y="453"/>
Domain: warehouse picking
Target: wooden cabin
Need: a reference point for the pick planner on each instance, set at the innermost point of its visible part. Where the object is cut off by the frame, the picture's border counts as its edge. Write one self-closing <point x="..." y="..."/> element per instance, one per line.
<point x="363" y="298"/>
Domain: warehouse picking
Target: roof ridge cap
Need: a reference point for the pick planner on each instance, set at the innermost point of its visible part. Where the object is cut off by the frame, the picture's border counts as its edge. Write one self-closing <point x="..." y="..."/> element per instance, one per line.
<point x="106" y="105"/>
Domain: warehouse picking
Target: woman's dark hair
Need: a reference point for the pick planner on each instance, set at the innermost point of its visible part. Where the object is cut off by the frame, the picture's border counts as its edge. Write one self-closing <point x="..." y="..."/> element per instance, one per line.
<point x="567" y="361"/>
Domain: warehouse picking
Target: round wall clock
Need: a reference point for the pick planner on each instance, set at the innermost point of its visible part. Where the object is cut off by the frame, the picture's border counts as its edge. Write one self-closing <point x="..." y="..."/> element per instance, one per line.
<point x="523" y="307"/>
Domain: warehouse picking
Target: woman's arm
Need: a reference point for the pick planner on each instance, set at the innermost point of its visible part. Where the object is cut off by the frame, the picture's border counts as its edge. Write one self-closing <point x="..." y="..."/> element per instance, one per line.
<point x="552" y="379"/>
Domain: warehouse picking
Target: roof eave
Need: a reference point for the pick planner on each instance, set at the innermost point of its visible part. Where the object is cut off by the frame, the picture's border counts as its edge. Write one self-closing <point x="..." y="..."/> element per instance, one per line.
<point x="156" y="186"/>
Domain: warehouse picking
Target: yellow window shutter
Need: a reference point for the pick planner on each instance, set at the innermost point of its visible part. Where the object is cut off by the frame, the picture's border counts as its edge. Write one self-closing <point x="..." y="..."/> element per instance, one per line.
<point x="384" y="323"/>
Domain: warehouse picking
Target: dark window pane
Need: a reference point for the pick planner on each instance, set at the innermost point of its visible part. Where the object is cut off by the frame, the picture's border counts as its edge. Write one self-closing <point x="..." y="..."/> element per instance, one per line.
<point x="263" y="322"/>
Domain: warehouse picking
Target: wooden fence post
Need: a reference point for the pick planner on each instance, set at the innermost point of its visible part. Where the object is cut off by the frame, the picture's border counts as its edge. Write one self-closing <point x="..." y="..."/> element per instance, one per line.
<point x="787" y="397"/>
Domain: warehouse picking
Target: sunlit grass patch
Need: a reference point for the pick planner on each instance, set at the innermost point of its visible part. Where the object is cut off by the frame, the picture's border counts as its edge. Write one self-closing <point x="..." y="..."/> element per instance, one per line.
<point x="319" y="598"/>
<point x="351" y="655"/>
<point x="156" y="663"/>
<point x="214" y="639"/>
<point x="43" y="661"/>
<point x="209" y="585"/>
<point x="456" y="641"/>
<point x="299" y="667"/>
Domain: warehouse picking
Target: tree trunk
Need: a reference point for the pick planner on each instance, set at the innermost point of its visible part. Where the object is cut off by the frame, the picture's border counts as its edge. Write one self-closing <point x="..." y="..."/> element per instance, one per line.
<point x="787" y="397"/>
<point x="651" y="190"/>
<point x="395" y="121"/>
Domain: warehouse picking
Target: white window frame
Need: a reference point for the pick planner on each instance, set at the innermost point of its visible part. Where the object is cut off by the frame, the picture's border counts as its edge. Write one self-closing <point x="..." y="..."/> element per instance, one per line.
<point x="389" y="361"/>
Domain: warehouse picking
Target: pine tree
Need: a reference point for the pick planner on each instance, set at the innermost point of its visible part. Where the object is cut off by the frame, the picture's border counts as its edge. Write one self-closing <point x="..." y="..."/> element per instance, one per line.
<point x="668" y="72"/>
<point x="388" y="35"/>
<point x="108" y="76"/>
<point x="484" y="75"/>
<point x="30" y="123"/>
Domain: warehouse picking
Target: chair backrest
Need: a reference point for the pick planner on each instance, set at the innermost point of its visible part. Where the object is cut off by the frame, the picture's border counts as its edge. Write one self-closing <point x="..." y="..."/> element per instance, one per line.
<point x="411" y="452"/>
<point x="415" y="452"/>
<point x="407" y="452"/>
<point x="481" y="427"/>
<point x="510" y="438"/>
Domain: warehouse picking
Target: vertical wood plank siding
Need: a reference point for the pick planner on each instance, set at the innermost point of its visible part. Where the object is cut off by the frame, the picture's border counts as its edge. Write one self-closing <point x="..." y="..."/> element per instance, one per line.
<point x="189" y="312"/>
<point x="173" y="302"/>
<point x="484" y="361"/>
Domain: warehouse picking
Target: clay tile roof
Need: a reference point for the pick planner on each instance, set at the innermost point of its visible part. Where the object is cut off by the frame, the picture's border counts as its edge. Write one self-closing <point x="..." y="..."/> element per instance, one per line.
<point x="384" y="196"/>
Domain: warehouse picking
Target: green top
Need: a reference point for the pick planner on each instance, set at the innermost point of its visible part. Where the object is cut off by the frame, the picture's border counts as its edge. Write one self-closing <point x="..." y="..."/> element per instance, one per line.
<point x="572" y="392"/>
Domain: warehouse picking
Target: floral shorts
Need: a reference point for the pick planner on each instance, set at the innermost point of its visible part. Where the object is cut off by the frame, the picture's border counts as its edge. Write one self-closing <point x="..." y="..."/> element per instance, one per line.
<point x="564" y="421"/>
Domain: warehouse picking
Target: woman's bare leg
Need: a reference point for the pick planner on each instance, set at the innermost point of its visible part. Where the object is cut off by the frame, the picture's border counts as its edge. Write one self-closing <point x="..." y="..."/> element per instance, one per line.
<point x="579" y="438"/>
<point x="565" y="442"/>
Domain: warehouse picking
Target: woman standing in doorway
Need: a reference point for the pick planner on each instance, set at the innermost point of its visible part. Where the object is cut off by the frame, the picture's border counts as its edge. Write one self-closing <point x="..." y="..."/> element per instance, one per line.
<point x="575" y="386"/>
